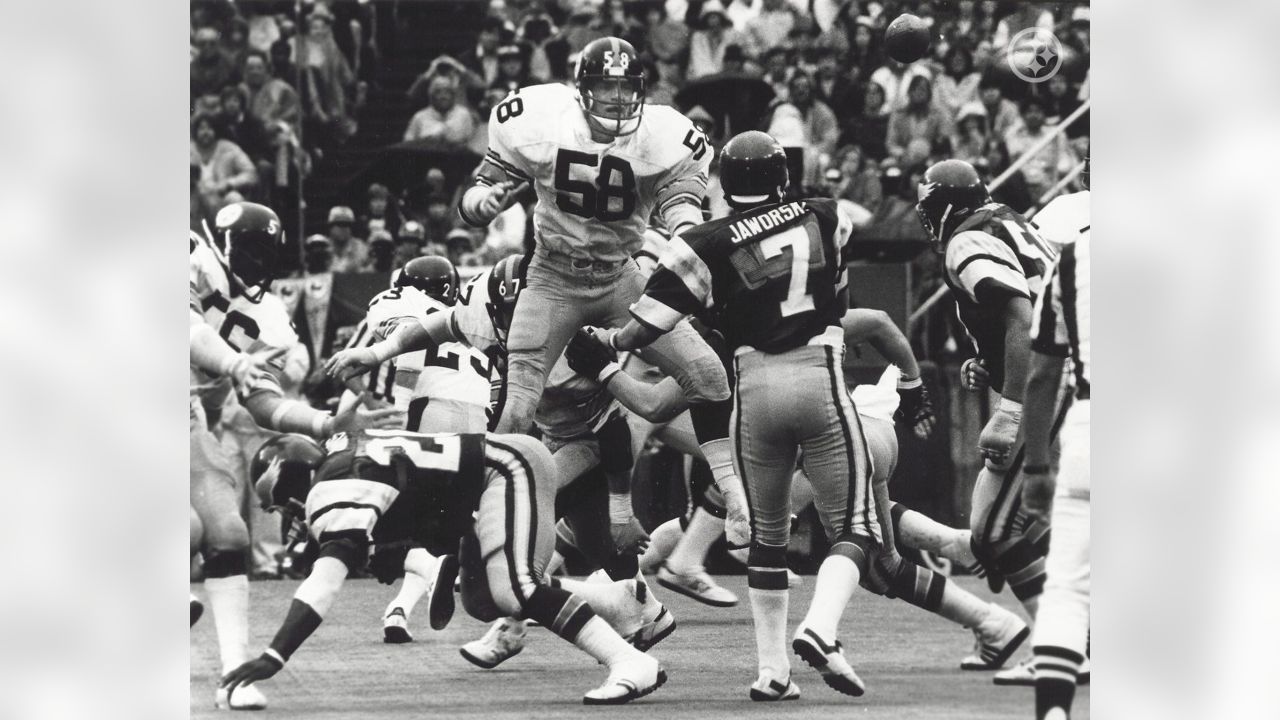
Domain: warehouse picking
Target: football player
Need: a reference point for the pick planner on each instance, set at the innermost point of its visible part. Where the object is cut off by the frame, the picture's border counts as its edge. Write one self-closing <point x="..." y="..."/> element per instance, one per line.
<point x="380" y="489"/>
<point x="229" y="275"/>
<point x="773" y="276"/>
<point x="994" y="262"/>
<point x="601" y="163"/>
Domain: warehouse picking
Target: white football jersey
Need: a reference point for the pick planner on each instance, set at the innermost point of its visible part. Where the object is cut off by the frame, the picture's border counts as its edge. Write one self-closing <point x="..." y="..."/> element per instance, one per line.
<point x="452" y="371"/>
<point x="246" y="326"/>
<point x="572" y="405"/>
<point x="1063" y="219"/>
<point x="595" y="199"/>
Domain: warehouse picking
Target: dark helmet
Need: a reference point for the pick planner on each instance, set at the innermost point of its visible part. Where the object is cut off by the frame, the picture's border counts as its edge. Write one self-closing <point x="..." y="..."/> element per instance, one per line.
<point x="252" y="242"/>
<point x="299" y="457"/>
<point x="610" y="81"/>
<point x="949" y="192"/>
<point x="753" y="169"/>
<point x="506" y="280"/>
<point x="433" y="275"/>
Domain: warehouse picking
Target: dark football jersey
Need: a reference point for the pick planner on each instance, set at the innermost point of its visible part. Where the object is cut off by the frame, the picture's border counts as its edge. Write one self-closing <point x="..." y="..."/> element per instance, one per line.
<point x="771" y="278"/>
<point x="995" y="254"/>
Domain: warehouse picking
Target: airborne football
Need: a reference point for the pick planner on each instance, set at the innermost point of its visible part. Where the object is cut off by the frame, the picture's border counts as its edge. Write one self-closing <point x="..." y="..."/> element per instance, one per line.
<point x="546" y="356"/>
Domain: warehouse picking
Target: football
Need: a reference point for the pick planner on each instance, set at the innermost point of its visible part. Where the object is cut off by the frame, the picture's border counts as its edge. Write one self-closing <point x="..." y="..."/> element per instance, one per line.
<point x="907" y="38"/>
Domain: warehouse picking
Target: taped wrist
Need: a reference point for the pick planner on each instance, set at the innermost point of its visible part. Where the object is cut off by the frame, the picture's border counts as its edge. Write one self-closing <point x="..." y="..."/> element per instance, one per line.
<point x="620" y="511"/>
<point x="469" y="208"/>
<point x="607" y="372"/>
<point x="912" y="384"/>
<point x="1010" y="406"/>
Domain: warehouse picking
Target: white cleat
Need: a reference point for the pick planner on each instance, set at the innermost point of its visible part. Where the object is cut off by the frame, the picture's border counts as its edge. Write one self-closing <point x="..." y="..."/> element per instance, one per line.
<point x="245" y="697"/>
<point x="503" y="641"/>
<point x="697" y="585"/>
<point x="628" y="680"/>
<point x="197" y="609"/>
<point x="658" y="622"/>
<point x="766" y="689"/>
<point x="996" y="639"/>
<point x="1024" y="673"/>
<point x="828" y="659"/>
<point x="395" y="628"/>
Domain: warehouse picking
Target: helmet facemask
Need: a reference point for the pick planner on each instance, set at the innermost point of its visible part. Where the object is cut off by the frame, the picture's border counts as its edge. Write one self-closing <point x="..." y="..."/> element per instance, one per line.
<point x="613" y="103"/>
<point x="252" y="257"/>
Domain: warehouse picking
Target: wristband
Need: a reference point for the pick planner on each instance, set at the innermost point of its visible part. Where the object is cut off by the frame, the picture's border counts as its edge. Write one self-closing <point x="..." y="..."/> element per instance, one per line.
<point x="613" y="341"/>
<point x="1035" y="470"/>
<point x="382" y="351"/>
<point x="607" y="372"/>
<point x="912" y="384"/>
<point x="1009" y="406"/>
<point x="271" y="654"/>
<point x="620" y="508"/>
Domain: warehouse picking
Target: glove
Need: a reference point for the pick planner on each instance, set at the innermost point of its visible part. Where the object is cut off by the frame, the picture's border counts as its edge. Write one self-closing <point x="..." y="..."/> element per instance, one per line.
<point x="1000" y="434"/>
<point x="260" y="668"/>
<point x="915" y="409"/>
<point x="346" y="364"/>
<point x="590" y="357"/>
<point x="1038" y="484"/>
<point x="628" y="536"/>
<point x="973" y="375"/>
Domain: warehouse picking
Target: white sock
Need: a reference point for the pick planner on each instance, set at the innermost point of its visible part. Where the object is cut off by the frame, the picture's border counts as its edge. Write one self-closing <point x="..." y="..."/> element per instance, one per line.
<point x="837" y="579"/>
<point x="769" y="615"/>
<point x="703" y="531"/>
<point x="662" y="541"/>
<point x="599" y="640"/>
<point x="614" y="602"/>
<point x="418" y="566"/>
<point x="922" y="532"/>
<point x="961" y="606"/>
<point x="554" y="563"/>
<point x="229" y="601"/>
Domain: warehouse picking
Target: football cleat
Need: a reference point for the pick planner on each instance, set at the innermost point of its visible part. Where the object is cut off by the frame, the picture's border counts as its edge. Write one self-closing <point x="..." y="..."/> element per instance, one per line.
<point x="628" y="680"/>
<point x="996" y="639"/>
<point x="503" y="641"/>
<point x="440" y="609"/>
<point x="395" y="628"/>
<point x="245" y="697"/>
<point x="697" y="585"/>
<point x="768" y="690"/>
<point x="1024" y="673"/>
<point x="658" y="622"/>
<point x="827" y="659"/>
<point x="197" y="609"/>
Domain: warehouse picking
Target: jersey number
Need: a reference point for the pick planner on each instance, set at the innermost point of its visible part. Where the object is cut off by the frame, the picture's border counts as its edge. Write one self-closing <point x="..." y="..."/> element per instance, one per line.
<point x="797" y="239"/>
<point x="696" y="142"/>
<point x="234" y="319"/>
<point x="450" y="360"/>
<point x="509" y="109"/>
<point x="597" y="198"/>
<point x="426" y="452"/>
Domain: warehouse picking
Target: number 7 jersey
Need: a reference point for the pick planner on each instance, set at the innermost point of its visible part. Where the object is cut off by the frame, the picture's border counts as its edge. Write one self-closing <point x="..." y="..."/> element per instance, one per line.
<point x="595" y="199"/>
<point x="773" y="276"/>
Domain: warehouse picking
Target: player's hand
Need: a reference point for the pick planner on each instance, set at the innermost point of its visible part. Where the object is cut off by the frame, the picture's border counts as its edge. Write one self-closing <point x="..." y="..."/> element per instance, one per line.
<point x="249" y="369"/>
<point x="259" y="668"/>
<point x="346" y="364"/>
<point x="588" y="356"/>
<point x="737" y="526"/>
<point x="359" y="417"/>
<point x="1037" y="494"/>
<point x="974" y="376"/>
<point x="629" y="537"/>
<point x="915" y="409"/>
<point x="1000" y="434"/>
<point x="603" y="336"/>
<point x="499" y="199"/>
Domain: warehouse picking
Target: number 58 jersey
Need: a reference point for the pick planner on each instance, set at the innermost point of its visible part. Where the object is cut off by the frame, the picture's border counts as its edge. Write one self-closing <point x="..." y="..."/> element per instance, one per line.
<point x="772" y="277"/>
<point x="595" y="199"/>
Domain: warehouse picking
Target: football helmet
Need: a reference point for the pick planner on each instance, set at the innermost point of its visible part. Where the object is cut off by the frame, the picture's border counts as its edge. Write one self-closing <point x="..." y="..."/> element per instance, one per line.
<point x="433" y="275"/>
<point x="753" y="169"/>
<point x="949" y="192"/>
<point x="610" y="81"/>
<point x="506" y="280"/>
<point x="287" y="490"/>
<point x="252" y="241"/>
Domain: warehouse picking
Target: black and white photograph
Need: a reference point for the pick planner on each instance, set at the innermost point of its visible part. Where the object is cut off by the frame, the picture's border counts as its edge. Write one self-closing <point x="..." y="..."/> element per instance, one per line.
<point x="695" y="355"/>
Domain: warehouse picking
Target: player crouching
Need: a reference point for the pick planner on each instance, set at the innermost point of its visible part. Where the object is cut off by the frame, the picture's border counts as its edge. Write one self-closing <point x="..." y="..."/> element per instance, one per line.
<point x="387" y="488"/>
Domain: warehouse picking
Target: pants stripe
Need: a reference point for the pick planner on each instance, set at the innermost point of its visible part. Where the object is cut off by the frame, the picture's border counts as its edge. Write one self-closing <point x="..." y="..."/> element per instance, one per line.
<point x="739" y="466"/>
<point x="530" y="487"/>
<point x="858" y="472"/>
<point x="1010" y="514"/>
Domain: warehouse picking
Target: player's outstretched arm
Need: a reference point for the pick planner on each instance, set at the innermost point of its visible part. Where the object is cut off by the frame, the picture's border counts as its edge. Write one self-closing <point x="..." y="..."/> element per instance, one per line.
<point x="614" y="438"/>
<point x="633" y="336"/>
<point x="211" y="353"/>
<point x="271" y="410"/>
<point x="658" y="403"/>
<point x="876" y="328"/>
<point x="408" y="337"/>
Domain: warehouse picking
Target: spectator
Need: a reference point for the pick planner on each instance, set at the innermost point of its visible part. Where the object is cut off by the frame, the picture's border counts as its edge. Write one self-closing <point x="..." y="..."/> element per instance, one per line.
<point x="957" y="85"/>
<point x="405" y="250"/>
<point x="379" y="214"/>
<point x="412" y="231"/>
<point x="444" y="119"/>
<point x="864" y="45"/>
<point x="735" y="60"/>
<point x="919" y="121"/>
<point x="317" y="255"/>
<point x="667" y="41"/>
<point x="460" y="244"/>
<point x="1026" y="15"/>
<point x="1060" y="102"/>
<point x="1013" y="191"/>
<point x="281" y="56"/>
<point x="778" y="71"/>
<point x="270" y="99"/>
<point x="833" y="87"/>
<point x="972" y="132"/>
<point x="859" y="179"/>
<point x="381" y="251"/>
<point x="870" y="129"/>
<point x="537" y="33"/>
<point x="211" y="68"/>
<point x="707" y="45"/>
<point x="289" y="165"/>
<point x="803" y="39"/>
<point x="483" y="58"/>
<point x="444" y="66"/>
<point x="207" y="104"/>
<point x="1048" y="165"/>
<point x="768" y="29"/>
<point x="242" y="128"/>
<point x="236" y="42"/>
<point x="328" y="79"/>
<point x="513" y="69"/>
<point x="657" y="90"/>
<point x="580" y="29"/>
<point x="350" y="253"/>
<point x="1002" y="114"/>
<point x="226" y="172"/>
<point x="439" y="215"/>
<point x="819" y="129"/>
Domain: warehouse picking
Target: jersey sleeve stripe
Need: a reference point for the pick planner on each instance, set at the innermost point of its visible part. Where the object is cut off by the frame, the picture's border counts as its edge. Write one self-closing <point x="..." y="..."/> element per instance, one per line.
<point x="681" y="260"/>
<point x="650" y="311"/>
<point x="493" y="159"/>
<point x="983" y="256"/>
<point x="974" y="274"/>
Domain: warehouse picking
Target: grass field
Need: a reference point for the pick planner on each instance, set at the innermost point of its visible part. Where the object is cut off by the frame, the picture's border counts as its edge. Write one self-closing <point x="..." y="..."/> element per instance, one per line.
<point x="908" y="658"/>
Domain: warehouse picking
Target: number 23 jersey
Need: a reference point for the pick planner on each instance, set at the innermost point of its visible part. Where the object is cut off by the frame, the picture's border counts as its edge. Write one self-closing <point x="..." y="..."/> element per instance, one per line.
<point x="595" y="199"/>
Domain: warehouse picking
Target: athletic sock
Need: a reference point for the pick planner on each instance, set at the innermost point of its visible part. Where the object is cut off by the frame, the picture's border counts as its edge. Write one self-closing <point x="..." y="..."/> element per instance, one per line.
<point x="1056" y="671"/>
<point x="229" y="601"/>
<point x="599" y="640"/>
<point x="961" y="606"/>
<point x="662" y="541"/>
<point x="419" y="565"/>
<point x="917" y="530"/>
<point x="836" y="582"/>
<point x="691" y="551"/>
<point x="554" y="563"/>
<point x="767" y="588"/>
<point x="615" y="602"/>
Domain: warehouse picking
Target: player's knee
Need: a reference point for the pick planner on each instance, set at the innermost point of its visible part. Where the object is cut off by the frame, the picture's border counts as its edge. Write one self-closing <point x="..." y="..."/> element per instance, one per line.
<point x="227" y="533"/>
<point x="767" y="566"/>
<point x="703" y="379"/>
<point x="857" y="548"/>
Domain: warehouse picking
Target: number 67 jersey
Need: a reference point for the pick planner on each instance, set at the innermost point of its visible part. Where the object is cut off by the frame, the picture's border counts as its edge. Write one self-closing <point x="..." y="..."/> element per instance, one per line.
<point x="773" y="276"/>
<point x="595" y="199"/>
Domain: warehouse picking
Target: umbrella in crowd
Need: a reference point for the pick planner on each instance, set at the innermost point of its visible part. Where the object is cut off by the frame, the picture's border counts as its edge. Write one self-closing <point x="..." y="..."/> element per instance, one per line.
<point x="736" y="101"/>
<point x="404" y="164"/>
